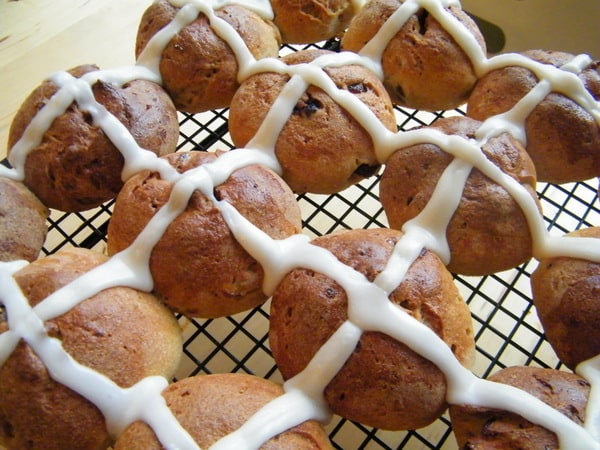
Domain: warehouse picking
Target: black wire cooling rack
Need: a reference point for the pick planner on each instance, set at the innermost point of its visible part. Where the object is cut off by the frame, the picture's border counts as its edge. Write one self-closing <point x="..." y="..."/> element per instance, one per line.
<point x="507" y="330"/>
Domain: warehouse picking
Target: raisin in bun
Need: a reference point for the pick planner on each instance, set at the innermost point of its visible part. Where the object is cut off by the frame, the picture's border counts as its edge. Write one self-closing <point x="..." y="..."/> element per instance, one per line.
<point x="423" y="65"/>
<point x="22" y="222"/>
<point x="198" y="68"/>
<point x="566" y="294"/>
<point x="383" y="384"/>
<point x="210" y="407"/>
<point x="563" y="139"/>
<point x="120" y="332"/>
<point x="307" y="21"/>
<point x="76" y="166"/>
<point x="198" y="267"/>
<point x="487" y="216"/>
<point x="321" y="148"/>
<point x="477" y="428"/>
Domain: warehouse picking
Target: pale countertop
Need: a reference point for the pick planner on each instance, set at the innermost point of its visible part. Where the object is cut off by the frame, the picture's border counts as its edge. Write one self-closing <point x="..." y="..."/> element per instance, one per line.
<point x="39" y="37"/>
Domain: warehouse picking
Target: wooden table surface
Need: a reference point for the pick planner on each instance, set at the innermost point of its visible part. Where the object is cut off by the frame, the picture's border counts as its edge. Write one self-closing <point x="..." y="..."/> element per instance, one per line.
<point x="39" y="37"/>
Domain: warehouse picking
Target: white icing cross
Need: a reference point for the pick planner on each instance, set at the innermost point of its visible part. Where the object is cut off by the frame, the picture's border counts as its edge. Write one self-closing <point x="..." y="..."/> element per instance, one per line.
<point x="303" y="398"/>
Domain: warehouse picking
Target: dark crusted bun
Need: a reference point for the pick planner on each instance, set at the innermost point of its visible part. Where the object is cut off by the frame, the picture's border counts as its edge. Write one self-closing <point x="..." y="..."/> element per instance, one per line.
<point x="22" y="222"/>
<point x="120" y="332"/>
<point x="198" y="68"/>
<point x="211" y="406"/>
<point x="479" y="428"/>
<point x="322" y="148"/>
<point x="423" y="66"/>
<point x="76" y="167"/>
<point x="566" y="294"/>
<point x="487" y="216"/>
<point x="383" y="384"/>
<point x="198" y="267"/>
<point x="306" y="21"/>
<point x="563" y="139"/>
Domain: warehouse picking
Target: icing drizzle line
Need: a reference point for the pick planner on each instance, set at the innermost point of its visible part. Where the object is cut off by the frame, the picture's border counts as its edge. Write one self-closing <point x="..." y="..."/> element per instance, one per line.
<point x="130" y="267"/>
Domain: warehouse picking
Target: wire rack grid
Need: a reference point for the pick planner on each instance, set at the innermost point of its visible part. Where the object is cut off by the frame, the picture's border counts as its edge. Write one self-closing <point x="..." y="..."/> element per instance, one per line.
<point x="507" y="330"/>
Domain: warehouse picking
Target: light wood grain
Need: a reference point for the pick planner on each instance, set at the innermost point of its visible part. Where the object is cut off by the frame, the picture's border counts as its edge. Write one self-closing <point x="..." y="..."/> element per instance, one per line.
<point x="39" y="37"/>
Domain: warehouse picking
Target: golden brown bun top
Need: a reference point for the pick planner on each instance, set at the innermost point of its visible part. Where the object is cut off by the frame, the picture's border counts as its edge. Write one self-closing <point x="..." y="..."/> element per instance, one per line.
<point x="383" y="384"/>
<point x="487" y="215"/>
<point x="307" y="21"/>
<point x="563" y="139"/>
<point x="424" y="67"/>
<point x="120" y="332"/>
<point x="76" y="167"/>
<point x="478" y="428"/>
<point x="198" y="266"/>
<point x="565" y="293"/>
<point x="22" y="222"/>
<point x="198" y="68"/>
<point x="210" y="407"/>
<point x="322" y="148"/>
<point x="148" y="343"/>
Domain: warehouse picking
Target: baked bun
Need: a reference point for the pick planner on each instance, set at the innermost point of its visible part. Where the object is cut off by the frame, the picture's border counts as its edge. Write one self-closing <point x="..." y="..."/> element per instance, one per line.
<point x="321" y="148"/>
<point x="76" y="166"/>
<point x="563" y="139"/>
<point x="120" y="332"/>
<point x="565" y="292"/>
<point x="22" y="222"/>
<point x="487" y="216"/>
<point x="198" y="267"/>
<point x="477" y="428"/>
<point x="423" y="65"/>
<point x="209" y="407"/>
<point x="199" y="69"/>
<point x="307" y="21"/>
<point x="383" y="384"/>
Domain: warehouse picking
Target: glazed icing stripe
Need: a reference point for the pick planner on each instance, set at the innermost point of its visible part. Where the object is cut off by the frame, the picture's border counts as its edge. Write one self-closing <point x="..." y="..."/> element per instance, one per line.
<point x="544" y="245"/>
<point x="80" y="90"/>
<point x="119" y="406"/>
<point x="33" y="134"/>
<point x="376" y="46"/>
<point x="303" y="398"/>
<point x="590" y="370"/>
<point x="370" y="309"/>
<point x="374" y="49"/>
<point x="136" y="158"/>
<point x="151" y="54"/>
<point x="261" y="7"/>
<point x="146" y="68"/>
<point x="553" y="79"/>
<point x="429" y="226"/>
<point x="274" y="256"/>
<point x="188" y="12"/>
<point x="563" y="80"/>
